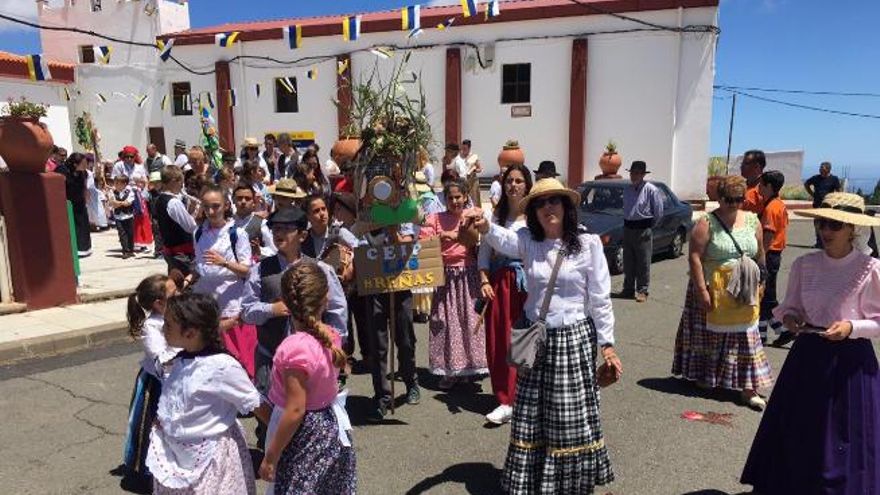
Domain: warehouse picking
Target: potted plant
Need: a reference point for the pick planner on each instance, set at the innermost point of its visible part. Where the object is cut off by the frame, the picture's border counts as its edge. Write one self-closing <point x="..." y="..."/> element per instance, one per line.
<point x="511" y="154"/>
<point x="610" y="160"/>
<point x="25" y="143"/>
<point x="717" y="170"/>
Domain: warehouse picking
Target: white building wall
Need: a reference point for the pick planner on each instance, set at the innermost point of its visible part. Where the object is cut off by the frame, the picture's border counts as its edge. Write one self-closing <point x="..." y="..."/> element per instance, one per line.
<point x="58" y="120"/>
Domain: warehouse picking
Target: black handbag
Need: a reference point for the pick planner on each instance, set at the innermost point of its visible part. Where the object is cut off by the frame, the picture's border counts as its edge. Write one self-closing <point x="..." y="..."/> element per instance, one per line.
<point x="525" y="341"/>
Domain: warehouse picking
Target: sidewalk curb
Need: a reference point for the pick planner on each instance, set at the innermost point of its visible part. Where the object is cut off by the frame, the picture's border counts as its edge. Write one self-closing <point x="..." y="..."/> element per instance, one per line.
<point x="63" y="343"/>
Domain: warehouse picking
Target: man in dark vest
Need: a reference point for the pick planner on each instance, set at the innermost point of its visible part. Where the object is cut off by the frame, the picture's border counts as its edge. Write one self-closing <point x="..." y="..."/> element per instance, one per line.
<point x="175" y="223"/>
<point x="245" y="199"/>
<point x="262" y="304"/>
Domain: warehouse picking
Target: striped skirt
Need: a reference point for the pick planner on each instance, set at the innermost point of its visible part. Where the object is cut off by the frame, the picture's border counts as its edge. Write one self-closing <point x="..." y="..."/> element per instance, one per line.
<point x="731" y="360"/>
<point x="455" y="348"/>
<point x="141" y="413"/>
<point x="556" y="442"/>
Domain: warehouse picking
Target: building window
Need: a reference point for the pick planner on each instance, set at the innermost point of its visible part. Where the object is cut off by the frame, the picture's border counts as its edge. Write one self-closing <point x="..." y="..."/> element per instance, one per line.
<point x="516" y="83"/>
<point x="285" y="99"/>
<point x="96" y="5"/>
<point x="181" y="95"/>
<point x="87" y="54"/>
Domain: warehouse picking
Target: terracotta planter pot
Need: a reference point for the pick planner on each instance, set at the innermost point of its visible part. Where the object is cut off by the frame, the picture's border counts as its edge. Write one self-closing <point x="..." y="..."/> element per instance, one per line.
<point x="511" y="154"/>
<point x="712" y="187"/>
<point x="609" y="163"/>
<point x="25" y="144"/>
<point x="345" y="149"/>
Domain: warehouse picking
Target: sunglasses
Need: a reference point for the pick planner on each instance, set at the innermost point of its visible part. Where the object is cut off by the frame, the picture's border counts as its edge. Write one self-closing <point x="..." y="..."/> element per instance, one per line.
<point x="733" y="201"/>
<point x="552" y="201"/>
<point x="128" y="157"/>
<point x="824" y="223"/>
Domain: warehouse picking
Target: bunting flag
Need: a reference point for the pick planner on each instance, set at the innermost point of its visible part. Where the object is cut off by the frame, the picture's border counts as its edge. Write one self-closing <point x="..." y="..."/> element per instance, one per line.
<point x="410" y="18"/>
<point x="165" y="48"/>
<point x="143" y="99"/>
<point x="293" y="36"/>
<point x="468" y="7"/>
<point x="446" y="24"/>
<point x="493" y="9"/>
<point x="257" y="90"/>
<point x="226" y="40"/>
<point x="66" y="94"/>
<point x="164" y="103"/>
<point x="414" y="33"/>
<point x="351" y="28"/>
<point x="102" y="54"/>
<point x="342" y="66"/>
<point x="312" y="73"/>
<point x="382" y="52"/>
<point x="101" y="98"/>
<point x="233" y="100"/>
<point x="210" y="100"/>
<point x="288" y="84"/>
<point x="38" y="69"/>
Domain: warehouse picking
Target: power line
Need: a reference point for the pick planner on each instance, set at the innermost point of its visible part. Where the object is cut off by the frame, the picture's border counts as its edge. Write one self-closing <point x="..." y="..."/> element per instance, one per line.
<point x="804" y="107"/>
<point x="796" y="91"/>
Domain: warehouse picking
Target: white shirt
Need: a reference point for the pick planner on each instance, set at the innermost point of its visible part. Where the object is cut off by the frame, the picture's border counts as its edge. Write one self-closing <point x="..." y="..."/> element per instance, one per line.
<point x="471" y="161"/>
<point x="200" y="400"/>
<point x="177" y="212"/>
<point x="429" y="174"/>
<point x="460" y="166"/>
<point x="485" y="252"/>
<point x="583" y="284"/>
<point x="155" y="346"/>
<point x="495" y="191"/>
<point x="216" y="280"/>
<point x="330" y="168"/>
<point x="134" y="171"/>
<point x="181" y="160"/>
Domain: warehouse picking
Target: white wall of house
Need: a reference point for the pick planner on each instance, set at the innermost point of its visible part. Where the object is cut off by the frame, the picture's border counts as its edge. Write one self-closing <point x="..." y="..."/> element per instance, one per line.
<point x="58" y="119"/>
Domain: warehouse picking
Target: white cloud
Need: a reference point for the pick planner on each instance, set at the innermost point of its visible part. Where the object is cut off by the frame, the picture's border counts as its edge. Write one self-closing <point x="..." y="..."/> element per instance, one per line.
<point x="21" y="9"/>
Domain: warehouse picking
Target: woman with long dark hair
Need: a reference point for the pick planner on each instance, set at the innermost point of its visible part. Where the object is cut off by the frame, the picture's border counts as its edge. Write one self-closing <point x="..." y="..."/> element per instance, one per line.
<point x="556" y="442"/>
<point x="75" y="172"/>
<point x="503" y="287"/>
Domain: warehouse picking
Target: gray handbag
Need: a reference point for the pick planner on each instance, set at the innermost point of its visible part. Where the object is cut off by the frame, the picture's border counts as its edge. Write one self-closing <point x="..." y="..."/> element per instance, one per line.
<point x="525" y="341"/>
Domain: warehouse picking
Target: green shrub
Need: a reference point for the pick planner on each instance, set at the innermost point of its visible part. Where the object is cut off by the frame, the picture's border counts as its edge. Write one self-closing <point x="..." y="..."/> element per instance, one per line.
<point x="794" y="191"/>
<point x="24" y="109"/>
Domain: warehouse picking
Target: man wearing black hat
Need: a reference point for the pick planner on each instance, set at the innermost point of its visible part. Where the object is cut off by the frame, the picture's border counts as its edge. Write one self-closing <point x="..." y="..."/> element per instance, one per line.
<point x="642" y="210"/>
<point x="546" y="170"/>
<point x="262" y="304"/>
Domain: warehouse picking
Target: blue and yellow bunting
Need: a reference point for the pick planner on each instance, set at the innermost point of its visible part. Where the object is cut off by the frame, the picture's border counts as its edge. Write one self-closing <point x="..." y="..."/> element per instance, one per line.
<point x="165" y="49"/>
<point x="257" y="90"/>
<point x="410" y="18"/>
<point x="164" y="103"/>
<point x="382" y="52"/>
<point x="66" y="94"/>
<point x="102" y="54"/>
<point x="468" y="8"/>
<point x="351" y="28"/>
<point x="342" y="66"/>
<point x="293" y="36"/>
<point x="446" y="24"/>
<point x="101" y="98"/>
<point x="226" y="40"/>
<point x="38" y="69"/>
<point x="312" y="73"/>
<point x="233" y="98"/>
<point x="142" y="100"/>
<point x="493" y="9"/>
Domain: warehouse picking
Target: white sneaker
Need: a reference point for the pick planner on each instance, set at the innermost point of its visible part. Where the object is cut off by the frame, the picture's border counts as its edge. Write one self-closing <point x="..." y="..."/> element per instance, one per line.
<point x="500" y="415"/>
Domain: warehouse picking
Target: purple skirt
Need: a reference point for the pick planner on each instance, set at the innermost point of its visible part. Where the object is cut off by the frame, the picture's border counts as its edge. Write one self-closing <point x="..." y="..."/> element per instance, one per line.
<point x="819" y="433"/>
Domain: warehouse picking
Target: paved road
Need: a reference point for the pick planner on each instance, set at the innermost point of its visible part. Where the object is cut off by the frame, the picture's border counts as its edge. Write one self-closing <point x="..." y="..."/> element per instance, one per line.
<point x="64" y="418"/>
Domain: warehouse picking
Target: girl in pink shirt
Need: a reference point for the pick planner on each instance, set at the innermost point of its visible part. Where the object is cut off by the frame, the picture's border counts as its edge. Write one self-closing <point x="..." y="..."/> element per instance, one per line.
<point x="456" y="350"/>
<point x="309" y="444"/>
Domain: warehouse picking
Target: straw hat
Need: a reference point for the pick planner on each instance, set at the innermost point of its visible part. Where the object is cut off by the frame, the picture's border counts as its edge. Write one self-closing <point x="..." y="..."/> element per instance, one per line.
<point x="250" y="142"/>
<point x="550" y="187"/>
<point x="287" y="188"/>
<point x="422" y="182"/>
<point x="843" y="207"/>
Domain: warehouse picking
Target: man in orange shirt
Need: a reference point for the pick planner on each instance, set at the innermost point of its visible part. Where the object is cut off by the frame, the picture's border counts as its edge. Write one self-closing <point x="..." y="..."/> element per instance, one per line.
<point x="752" y="167"/>
<point x="774" y="222"/>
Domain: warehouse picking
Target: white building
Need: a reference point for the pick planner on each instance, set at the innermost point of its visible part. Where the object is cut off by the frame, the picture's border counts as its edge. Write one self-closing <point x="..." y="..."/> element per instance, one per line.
<point x="561" y="78"/>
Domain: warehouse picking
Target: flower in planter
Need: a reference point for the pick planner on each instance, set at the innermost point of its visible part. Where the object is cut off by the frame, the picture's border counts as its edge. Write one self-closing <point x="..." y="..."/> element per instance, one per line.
<point x="24" y="109"/>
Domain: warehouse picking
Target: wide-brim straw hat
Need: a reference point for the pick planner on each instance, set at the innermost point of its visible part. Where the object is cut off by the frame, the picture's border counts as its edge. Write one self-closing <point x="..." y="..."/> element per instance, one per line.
<point x="287" y="188"/>
<point x="843" y="207"/>
<point x="421" y="182"/>
<point x="550" y="187"/>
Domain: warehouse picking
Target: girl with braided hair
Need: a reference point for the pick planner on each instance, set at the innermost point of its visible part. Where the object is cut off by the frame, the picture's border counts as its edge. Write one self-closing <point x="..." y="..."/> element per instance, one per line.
<point x="309" y="442"/>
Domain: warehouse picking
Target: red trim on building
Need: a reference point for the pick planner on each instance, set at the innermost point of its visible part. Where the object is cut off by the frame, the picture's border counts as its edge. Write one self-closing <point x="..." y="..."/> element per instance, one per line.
<point x="453" y="95"/>
<point x="225" y="116"/>
<point x="15" y="66"/>
<point x="343" y="94"/>
<point x="577" y="117"/>
<point x="388" y="21"/>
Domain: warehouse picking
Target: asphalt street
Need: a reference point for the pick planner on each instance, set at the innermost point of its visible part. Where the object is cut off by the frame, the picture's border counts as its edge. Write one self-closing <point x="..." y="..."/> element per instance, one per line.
<point x="64" y="418"/>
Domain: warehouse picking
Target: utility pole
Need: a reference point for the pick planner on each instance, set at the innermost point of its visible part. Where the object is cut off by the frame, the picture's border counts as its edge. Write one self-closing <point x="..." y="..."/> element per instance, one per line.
<point x="730" y="131"/>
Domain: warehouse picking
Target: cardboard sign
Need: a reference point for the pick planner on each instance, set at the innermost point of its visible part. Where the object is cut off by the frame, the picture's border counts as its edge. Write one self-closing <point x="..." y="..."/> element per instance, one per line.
<point x="398" y="267"/>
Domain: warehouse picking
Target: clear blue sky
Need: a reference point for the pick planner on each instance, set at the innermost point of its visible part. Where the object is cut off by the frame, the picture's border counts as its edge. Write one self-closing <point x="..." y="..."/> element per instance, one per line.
<point x="818" y="45"/>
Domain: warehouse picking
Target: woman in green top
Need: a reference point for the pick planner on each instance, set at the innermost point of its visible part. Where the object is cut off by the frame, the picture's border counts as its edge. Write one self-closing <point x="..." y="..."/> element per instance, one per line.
<point x="718" y="344"/>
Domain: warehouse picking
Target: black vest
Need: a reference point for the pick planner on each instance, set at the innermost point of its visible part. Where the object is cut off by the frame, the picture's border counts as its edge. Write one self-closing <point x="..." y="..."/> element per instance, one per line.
<point x="172" y="233"/>
<point x="308" y="246"/>
<point x="271" y="333"/>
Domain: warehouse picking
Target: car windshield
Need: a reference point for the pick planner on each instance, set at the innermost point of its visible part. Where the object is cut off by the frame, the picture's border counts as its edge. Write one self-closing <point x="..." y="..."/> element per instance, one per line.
<point x="602" y="199"/>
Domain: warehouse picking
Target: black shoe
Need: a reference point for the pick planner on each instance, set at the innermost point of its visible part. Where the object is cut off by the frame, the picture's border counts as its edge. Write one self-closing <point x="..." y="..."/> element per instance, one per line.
<point x="626" y="294"/>
<point x="377" y="415"/>
<point x="413" y="395"/>
<point x="784" y="338"/>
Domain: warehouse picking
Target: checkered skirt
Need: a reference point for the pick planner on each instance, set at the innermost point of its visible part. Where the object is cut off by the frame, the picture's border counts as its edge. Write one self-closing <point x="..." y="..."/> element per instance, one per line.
<point x="734" y="360"/>
<point x="556" y="443"/>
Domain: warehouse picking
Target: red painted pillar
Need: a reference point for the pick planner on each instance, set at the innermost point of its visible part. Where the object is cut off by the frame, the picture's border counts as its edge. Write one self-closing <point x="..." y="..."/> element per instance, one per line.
<point x="453" y="95"/>
<point x="577" y="117"/>
<point x="225" y="117"/>
<point x="343" y="94"/>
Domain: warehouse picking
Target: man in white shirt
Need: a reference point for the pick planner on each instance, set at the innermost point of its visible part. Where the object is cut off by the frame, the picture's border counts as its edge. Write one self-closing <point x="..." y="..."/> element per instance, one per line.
<point x="181" y="159"/>
<point x="155" y="161"/>
<point x="474" y="169"/>
<point x="495" y="190"/>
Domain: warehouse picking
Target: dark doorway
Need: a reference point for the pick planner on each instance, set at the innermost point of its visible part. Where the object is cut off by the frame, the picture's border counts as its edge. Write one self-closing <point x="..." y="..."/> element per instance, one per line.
<point x="156" y="135"/>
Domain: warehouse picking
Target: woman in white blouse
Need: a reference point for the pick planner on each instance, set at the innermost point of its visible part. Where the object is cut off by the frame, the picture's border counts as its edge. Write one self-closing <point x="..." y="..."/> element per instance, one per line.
<point x="556" y="443"/>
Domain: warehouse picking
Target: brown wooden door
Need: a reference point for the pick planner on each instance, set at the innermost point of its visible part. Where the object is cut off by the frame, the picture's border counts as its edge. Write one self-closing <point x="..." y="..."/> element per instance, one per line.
<point x="156" y="135"/>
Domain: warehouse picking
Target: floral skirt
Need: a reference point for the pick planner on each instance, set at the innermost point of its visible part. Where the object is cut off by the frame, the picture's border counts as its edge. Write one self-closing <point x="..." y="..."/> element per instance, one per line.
<point x="315" y="461"/>
<point x="556" y="442"/>
<point x="731" y="360"/>
<point x="455" y="348"/>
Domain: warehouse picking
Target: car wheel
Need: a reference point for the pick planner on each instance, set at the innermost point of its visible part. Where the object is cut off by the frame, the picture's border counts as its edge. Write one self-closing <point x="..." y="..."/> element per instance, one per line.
<point x="615" y="261"/>
<point x="676" y="249"/>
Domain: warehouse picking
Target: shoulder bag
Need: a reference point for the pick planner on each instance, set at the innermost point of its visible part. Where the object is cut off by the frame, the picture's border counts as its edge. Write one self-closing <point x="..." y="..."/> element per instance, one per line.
<point x="525" y="341"/>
